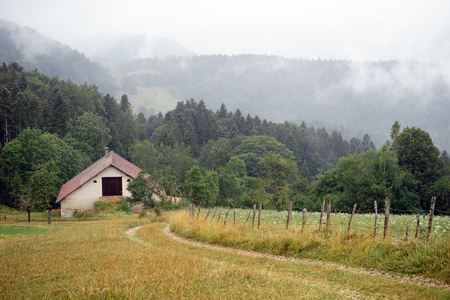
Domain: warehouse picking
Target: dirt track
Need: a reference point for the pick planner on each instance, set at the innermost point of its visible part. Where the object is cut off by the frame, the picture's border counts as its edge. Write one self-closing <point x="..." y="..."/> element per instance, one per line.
<point x="414" y="280"/>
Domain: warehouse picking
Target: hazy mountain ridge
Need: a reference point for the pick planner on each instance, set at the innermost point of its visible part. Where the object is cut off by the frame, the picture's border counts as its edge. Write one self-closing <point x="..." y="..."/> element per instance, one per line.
<point x="353" y="97"/>
<point x="360" y="96"/>
<point x="115" y="46"/>
<point x="33" y="50"/>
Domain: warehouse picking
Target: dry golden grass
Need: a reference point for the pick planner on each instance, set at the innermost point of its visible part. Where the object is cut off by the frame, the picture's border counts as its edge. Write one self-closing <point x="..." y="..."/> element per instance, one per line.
<point x="417" y="257"/>
<point x="96" y="260"/>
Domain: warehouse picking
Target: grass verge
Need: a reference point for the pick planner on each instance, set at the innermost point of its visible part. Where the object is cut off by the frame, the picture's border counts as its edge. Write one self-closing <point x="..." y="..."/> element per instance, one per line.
<point x="96" y="260"/>
<point x="416" y="257"/>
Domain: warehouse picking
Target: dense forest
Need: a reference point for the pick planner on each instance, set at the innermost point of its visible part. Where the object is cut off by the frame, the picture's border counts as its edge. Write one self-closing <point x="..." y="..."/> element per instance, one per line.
<point x="352" y="97"/>
<point x="32" y="51"/>
<point x="51" y="129"/>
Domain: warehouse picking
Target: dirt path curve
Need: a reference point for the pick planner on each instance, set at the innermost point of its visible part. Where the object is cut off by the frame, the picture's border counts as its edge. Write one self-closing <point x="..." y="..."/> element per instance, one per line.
<point x="418" y="280"/>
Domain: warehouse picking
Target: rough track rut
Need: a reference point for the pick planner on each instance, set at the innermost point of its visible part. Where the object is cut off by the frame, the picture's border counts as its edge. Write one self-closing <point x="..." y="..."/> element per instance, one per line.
<point x="418" y="280"/>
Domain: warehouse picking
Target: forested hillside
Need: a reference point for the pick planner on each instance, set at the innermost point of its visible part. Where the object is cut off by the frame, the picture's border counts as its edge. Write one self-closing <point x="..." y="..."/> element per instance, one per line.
<point x="51" y="126"/>
<point x="360" y="97"/>
<point x="33" y="50"/>
<point x="349" y="96"/>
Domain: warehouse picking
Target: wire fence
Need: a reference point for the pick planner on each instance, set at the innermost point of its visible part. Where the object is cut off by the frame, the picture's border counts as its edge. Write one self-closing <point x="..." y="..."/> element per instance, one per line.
<point x="419" y="223"/>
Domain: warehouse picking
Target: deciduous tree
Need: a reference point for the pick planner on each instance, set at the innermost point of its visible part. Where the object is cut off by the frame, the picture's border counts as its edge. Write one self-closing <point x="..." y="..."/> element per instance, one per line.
<point x="141" y="189"/>
<point x="417" y="154"/>
<point x="43" y="187"/>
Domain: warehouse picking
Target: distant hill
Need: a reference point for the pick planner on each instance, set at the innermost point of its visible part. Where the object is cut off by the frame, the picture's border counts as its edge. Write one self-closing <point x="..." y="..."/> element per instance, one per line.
<point x="117" y="46"/>
<point x="352" y="97"/>
<point x="33" y="50"/>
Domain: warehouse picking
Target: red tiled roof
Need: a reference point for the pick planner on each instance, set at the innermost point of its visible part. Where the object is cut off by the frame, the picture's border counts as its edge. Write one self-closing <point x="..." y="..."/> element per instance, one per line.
<point x="110" y="159"/>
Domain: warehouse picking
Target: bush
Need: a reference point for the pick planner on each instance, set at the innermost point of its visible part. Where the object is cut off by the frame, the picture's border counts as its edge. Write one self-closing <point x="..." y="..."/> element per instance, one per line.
<point x="84" y="214"/>
<point x="142" y="214"/>
<point x="99" y="205"/>
<point x="123" y="206"/>
<point x="7" y="210"/>
<point x="165" y="205"/>
<point x="158" y="211"/>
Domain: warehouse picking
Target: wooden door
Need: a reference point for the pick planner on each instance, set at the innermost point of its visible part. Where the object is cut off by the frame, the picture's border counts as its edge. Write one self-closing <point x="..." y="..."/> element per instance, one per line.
<point x="112" y="186"/>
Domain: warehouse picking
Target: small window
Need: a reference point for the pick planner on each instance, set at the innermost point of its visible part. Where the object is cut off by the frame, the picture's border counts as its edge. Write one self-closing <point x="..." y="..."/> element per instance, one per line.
<point x="128" y="180"/>
<point x="95" y="181"/>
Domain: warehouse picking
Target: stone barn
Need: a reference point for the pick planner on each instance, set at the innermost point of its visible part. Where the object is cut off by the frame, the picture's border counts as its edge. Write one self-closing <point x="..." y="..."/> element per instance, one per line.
<point x="107" y="177"/>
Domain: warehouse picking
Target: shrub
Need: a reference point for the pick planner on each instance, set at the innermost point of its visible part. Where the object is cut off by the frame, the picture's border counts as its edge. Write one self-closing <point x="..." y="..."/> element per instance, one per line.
<point x="99" y="205"/>
<point x="142" y="214"/>
<point x="158" y="211"/>
<point x="123" y="206"/>
<point x="84" y="214"/>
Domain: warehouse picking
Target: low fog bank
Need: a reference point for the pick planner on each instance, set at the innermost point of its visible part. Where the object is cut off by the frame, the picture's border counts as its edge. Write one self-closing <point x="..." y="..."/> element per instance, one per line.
<point x="33" y="50"/>
<point x="360" y="97"/>
<point x="353" y="97"/>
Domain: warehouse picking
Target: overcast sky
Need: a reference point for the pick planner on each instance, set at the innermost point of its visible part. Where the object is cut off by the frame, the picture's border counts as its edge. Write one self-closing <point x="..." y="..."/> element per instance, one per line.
<point x="349" y="29"/>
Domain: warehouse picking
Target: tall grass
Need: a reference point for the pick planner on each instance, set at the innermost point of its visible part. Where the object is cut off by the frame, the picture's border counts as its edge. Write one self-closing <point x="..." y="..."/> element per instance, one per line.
<point x="96" y="260"/>
<point x="425" y="257"/>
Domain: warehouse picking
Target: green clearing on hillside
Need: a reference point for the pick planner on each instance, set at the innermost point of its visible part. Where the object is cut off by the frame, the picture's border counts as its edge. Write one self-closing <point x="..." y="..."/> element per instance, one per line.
<point x="151" y="100"/>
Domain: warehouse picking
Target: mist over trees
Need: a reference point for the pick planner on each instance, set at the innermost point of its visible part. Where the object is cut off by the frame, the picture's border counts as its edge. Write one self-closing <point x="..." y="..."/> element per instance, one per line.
<point x="352" y="97"/>
<point x="56" y="127"/>
<point x="33" y="50"/>
<point x="235" y="148"/>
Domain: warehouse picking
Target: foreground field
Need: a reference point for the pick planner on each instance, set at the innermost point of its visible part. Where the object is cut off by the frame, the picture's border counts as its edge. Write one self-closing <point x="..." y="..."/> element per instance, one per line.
<point x="421" y="256"/>
<point x="97" y="260"/>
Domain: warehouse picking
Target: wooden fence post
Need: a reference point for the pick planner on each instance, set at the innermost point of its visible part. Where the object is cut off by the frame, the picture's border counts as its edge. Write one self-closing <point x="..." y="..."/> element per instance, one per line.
<point x="430" y="221"/>
<point x="254" y="213"/>
<point x="328" y="212"/>
<point x="304" y="219"/>
<point x="207" y="215"/>
<point x="259" y="214"/>
<point x="321" y="214"/>
<point x="386" y="216"/>
<point x="212" y="218"/>
<point x="407" y="233"/>
<point x="226" y="216"/>
<point x="198" y="212"/>
<point x="192" y="214"/>
<point x="417" y="226"/>
<point x="220" y="214"/>
<point x="248" y="216"/>
<point x="376" y="219"/>
<point x="288" y="221"/>
<point x="234" y="218"/>
<point x="351" y="217"/>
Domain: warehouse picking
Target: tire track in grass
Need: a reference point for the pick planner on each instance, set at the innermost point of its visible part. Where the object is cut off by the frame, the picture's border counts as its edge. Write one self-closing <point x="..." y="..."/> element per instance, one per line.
<point x="417" y="280"/>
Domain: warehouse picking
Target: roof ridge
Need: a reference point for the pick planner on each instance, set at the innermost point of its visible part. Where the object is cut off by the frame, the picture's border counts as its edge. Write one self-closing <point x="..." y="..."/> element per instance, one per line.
<point x="109" y="159"/>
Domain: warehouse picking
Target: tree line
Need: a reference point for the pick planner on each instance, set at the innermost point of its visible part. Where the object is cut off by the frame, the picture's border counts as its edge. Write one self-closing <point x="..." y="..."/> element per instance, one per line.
<point x="357" y="96"/>
<point x="53" y="129"/>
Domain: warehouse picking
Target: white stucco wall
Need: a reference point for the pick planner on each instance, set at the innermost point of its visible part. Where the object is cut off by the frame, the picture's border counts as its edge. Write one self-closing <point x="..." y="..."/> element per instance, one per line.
<point x="84" y="197"/>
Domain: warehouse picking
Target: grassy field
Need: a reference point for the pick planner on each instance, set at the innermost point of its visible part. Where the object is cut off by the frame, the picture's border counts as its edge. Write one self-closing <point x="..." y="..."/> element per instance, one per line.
<point x="96" y="260"/>
<point x="360" y="222"/>
<point x="415" y="257"/>
<point x="151" y="100"/>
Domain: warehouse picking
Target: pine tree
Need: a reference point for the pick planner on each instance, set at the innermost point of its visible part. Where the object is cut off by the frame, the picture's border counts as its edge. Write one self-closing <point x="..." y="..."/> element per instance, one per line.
<point x="5" y="106"/>
<point x="124" y="103"/>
